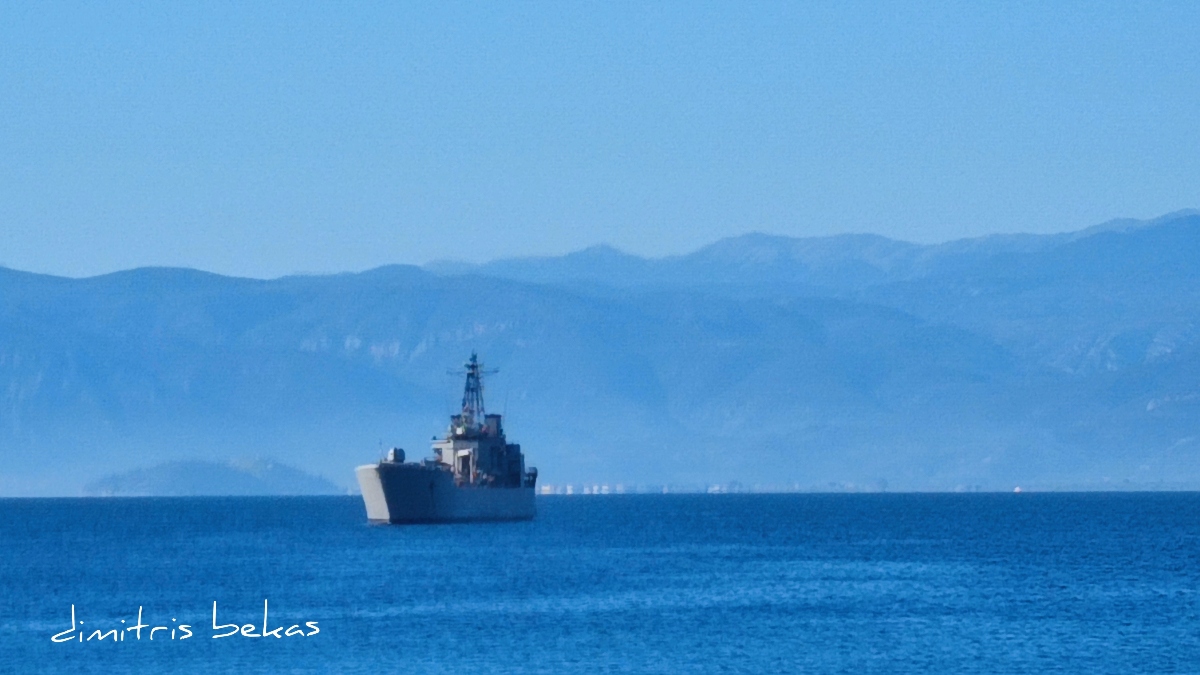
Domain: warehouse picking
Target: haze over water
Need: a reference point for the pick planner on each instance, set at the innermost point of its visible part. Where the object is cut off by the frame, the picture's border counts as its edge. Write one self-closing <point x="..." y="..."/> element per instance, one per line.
<point x="1076" y="583"/>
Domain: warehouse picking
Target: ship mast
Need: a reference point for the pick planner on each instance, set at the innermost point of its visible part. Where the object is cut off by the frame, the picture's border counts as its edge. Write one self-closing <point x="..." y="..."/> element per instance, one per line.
<point x="472" y="401"/>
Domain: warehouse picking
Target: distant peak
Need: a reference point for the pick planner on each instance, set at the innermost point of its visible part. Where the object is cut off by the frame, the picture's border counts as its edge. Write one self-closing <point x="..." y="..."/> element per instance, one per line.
<point x="763" y="248"/>
<point x="1176" y="215"/>
<point x="601" y="251"/>
<point x="1130" y="224"/>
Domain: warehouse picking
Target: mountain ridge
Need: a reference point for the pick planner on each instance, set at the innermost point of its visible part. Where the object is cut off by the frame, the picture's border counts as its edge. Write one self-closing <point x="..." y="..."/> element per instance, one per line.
<point x="1061" y="361"/>
<point x="834" y="262"/>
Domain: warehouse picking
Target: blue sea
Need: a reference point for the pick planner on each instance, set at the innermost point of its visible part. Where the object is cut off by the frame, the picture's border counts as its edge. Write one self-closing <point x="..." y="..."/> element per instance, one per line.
<point x="883" y="583"/>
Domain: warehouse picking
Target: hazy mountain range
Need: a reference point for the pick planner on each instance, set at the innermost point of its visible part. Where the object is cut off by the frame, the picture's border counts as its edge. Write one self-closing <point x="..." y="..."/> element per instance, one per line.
<point x="188" y="478"/>
<point x="1059" y="361"/>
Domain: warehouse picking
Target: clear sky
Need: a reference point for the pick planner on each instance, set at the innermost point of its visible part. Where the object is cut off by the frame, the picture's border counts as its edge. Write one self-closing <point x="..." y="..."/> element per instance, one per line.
<point x="261" y="138"/>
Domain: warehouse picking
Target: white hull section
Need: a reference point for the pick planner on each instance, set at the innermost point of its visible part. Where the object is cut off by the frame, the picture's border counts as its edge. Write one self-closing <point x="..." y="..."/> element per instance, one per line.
<point x="413" y="493"/>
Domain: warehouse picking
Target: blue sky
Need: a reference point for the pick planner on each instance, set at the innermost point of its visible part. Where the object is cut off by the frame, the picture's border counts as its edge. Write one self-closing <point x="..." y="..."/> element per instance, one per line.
<point x="266" y="138"/>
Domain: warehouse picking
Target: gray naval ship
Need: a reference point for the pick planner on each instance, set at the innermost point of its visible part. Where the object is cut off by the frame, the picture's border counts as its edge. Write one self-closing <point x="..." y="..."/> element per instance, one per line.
<point x="474" y="474"/>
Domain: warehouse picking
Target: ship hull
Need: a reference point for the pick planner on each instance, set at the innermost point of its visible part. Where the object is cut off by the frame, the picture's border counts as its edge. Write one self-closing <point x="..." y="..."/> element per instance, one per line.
<point x="413" y="493"/>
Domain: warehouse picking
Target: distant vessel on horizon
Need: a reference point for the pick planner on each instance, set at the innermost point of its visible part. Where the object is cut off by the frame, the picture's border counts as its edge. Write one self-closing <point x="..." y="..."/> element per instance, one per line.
<point x="475" y="473"/>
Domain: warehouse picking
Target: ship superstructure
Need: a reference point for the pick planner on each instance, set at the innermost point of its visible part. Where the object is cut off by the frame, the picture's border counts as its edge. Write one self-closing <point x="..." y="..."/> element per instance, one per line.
<point x="474" y="474"/>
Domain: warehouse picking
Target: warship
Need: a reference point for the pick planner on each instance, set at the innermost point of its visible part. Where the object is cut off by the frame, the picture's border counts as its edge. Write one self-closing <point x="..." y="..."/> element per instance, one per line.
<point x="474" y="474"/>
